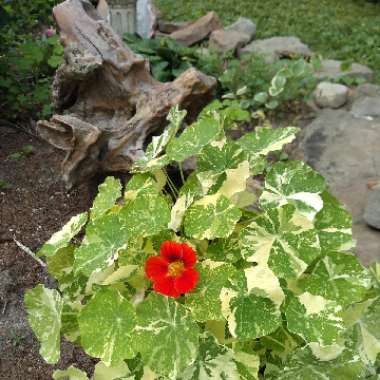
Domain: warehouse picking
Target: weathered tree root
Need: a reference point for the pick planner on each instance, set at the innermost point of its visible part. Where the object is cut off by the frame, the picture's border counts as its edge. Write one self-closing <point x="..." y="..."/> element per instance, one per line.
<point x="107" y="100"/>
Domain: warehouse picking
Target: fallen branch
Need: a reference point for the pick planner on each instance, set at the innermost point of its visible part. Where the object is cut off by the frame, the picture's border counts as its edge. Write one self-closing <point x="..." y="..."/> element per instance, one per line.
<point x="29" y="252"/>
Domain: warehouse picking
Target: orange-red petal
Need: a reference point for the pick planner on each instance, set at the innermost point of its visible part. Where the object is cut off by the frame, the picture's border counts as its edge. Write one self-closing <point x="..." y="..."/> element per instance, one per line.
<point x="166" y="287"/>
<point x="186" y="281"/>
<point x="189" y="257"/>
<point x="171" y="251"/>
<point x="156" y="267"/>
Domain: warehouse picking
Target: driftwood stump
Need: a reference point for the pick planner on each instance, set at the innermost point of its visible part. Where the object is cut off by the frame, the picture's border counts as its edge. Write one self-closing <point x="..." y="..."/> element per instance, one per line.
<point x="107" y="102"/>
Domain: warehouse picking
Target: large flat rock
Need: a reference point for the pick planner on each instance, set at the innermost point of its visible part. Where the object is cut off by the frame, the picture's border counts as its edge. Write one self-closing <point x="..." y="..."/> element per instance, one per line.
<point x="275" y="48"/>
<point x="332" y="69"/>
<point x="345" y="149"/>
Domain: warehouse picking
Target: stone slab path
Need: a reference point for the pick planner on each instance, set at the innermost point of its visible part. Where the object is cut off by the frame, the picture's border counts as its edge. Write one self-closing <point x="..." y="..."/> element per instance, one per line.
<point x="345" y="149"/>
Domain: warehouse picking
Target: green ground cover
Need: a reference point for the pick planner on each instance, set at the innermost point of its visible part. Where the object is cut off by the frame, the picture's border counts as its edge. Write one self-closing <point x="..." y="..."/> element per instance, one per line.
<point x="342" y="29"/>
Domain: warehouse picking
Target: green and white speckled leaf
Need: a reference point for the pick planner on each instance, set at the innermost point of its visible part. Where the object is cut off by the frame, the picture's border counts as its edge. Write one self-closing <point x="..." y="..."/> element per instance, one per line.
<point x="146" y="215"/>
<point x="250" y="315"/>
<point x="140" y="183"/>
<point x="44" y="307"/>
<point x="182" y="203"/>
<point x="266" y="140"/>
<point x="165" y="335"/>
<point x="303" y="366"/>
<point x="334" y="225"/>
<point x="204" y="301"/>
<point x="339" y="277"/>
<point x="314" y="318"/>
<point x="248" y="365"/>
<point x="211" y="217"/>
<point x="152" y="159"/>
<point x="214" y="361"/>
<point x="116" y="372"/>
<point x="283" y="239"/>
<point x="220" y="155"/>
<point x="193" y="138"/>
<point x="367" y="331"/>
<point x="109" y="191"/>
<point x="71" y="373"/>
<point x="296" y="183"/>
<point x="105" y="237"/>
<point x="236" y="181"/>
<point x="70" y="327"/>
<point x="63" y="237"/>
<point x="106" y="325"/>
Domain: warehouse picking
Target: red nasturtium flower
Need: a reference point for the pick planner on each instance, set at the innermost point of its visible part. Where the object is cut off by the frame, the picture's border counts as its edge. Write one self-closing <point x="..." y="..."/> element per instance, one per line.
<point x="172" y="272"/>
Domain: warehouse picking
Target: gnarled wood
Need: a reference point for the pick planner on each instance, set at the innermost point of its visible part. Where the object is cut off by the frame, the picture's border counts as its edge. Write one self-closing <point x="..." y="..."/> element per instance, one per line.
<point x="107" y="101"/>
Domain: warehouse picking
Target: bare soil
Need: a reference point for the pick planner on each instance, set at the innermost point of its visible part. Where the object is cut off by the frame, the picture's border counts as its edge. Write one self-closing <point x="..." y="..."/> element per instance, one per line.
<point x="34" y="206"/>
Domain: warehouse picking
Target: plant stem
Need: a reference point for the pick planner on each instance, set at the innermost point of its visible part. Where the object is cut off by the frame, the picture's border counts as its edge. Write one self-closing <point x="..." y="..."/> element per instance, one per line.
<point x="181" y="172"/>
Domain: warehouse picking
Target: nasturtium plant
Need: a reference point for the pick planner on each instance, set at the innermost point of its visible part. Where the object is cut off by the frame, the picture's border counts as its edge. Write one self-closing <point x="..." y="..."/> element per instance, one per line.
<point x="191" y="276"/>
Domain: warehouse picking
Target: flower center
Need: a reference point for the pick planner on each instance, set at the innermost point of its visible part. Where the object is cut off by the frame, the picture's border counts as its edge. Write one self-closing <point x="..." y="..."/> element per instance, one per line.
<point x="175" y="268"/>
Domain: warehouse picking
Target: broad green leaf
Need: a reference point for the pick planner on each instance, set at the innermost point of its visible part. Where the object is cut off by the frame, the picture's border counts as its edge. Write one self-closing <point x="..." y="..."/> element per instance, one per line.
<point x="281" y="343"/>
<point x="62" y="238"/>
<point x="165" y="335"/>
<point x="204" y="301"/>
<point x="106" y="325"/>
<point x="193" y="138"/>
<point x="296" y="183"/>
<point x="70" y="327"/>
<point x="225" y="249"/>
<point x="146" y="215"/>
<point x="303" y="366"/>
<point x="250" y="315"/>
<point x="151" y="159"/>
<point x="70" y="373"/>
<point x="314" y="318"/>
<point x="211" y="217"/>
<point x="283" y="239"/>
<point x="334" y="225"/>
<point x="44" y="307"/>
<point x="115" y="372"/>
<point x="105" y="237"/>
<point x="61" y="266"/>
<point x="337" y="276"/>
<point x="109" y="191"/>
<point x="266" y="140"/>
<point x="214" y="361"/>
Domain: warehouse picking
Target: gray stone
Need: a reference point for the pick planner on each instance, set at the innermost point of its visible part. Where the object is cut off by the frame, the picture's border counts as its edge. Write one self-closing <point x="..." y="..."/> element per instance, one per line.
<point x="345" y="150"/>
<point x="372" y="211"/>
<point x="147" y="18"/>
<point x="366" y="107"/>
<point x="275" y="48"/>
<point x="243" y="25"/>
<point x="368" y="89"/>
<point x="227" y="40"/>
<point x="330" y="95"/>
<point x="331" y="69"/>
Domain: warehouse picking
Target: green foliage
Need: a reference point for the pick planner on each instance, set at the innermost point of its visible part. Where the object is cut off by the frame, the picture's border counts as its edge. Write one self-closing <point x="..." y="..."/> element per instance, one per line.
<point x="257" y="84"/>
<point x="27" y="58"/>
<point x="348" y="30"/>
<point x="25" y="151"/>
<point x="280" y="295"/>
